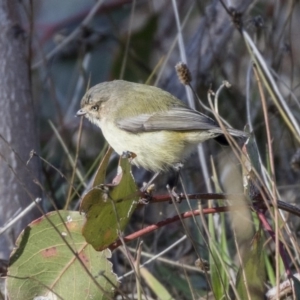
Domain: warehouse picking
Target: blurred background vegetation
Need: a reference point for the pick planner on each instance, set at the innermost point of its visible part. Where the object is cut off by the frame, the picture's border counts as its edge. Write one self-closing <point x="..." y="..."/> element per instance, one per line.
<point x="76" y="44"/>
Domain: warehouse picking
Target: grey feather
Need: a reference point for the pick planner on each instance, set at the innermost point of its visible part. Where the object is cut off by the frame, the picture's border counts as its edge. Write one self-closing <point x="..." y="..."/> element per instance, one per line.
<point x="176" y="118"/>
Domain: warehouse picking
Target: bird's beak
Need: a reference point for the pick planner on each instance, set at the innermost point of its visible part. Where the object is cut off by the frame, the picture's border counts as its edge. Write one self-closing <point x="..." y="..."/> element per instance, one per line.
<point x="80" y="113"/>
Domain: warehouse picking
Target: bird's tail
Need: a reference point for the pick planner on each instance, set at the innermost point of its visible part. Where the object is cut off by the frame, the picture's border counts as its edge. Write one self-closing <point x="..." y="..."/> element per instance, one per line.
<point x="239" y="135"/>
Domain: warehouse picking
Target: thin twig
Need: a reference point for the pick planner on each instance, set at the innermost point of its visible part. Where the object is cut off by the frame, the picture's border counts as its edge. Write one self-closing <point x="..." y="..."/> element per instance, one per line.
<point x="20" y="215"/>
<point x="75" y="165"/>
<point x="163" y="223"/>
<point x="273" y="179"/>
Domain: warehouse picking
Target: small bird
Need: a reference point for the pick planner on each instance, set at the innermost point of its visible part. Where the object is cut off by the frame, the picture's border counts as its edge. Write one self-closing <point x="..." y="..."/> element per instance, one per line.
<point x="159" y="129"/>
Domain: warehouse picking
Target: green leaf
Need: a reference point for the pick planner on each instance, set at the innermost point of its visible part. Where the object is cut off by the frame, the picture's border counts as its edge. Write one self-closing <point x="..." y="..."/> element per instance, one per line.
<point x="101" y="172"/>
<point x="251" y="276"/>
<point x="253" y="154"/>
<point x="179" y="283"/>
<point x="108" y="208"/>
<point x="156" y="286"/>
<point x="218" y="258"/>
<point x="42" y="265"/>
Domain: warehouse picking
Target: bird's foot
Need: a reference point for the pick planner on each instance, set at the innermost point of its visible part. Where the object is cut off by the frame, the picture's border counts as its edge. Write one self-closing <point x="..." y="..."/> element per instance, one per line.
<point x="178" y="166"/>
<point x="147" y="191"/>
<point x="174" y="195"/>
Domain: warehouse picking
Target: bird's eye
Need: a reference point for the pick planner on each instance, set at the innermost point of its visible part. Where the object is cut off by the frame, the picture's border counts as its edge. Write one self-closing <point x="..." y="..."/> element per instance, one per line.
<point x="95" y="107"/>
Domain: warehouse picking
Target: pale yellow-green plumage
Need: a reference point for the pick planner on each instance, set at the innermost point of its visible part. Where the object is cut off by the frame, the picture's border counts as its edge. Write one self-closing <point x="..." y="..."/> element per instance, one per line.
<point x="147" y="121"/>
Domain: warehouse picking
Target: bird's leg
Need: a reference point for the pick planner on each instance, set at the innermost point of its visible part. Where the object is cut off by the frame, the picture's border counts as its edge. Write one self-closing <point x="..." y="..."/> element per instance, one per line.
<point x="148" y="188"/>
<point x="171" y="186"/>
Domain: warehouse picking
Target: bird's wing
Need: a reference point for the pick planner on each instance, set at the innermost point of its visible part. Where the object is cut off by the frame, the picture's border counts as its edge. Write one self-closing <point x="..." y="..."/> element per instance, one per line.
<point x="176" y="118"/>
